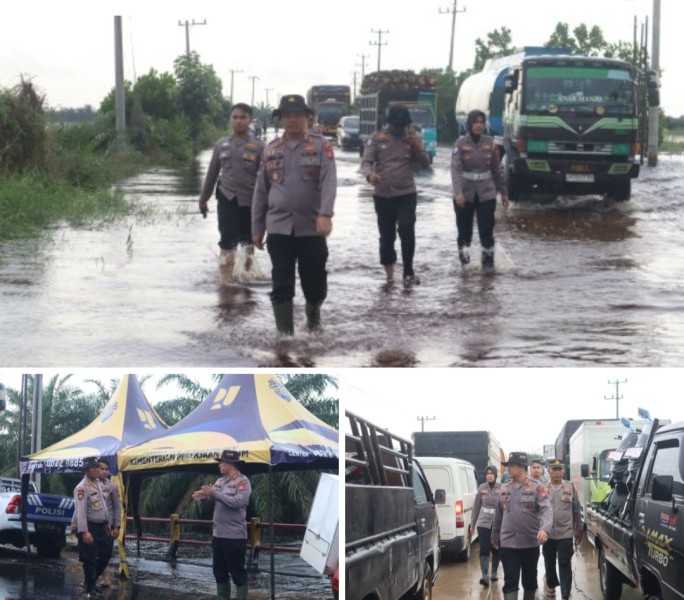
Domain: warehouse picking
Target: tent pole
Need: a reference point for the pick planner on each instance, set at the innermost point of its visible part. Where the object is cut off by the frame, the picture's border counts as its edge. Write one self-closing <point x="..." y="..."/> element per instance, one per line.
<point x="24" y="515"/>
<point x="271" y="528"/>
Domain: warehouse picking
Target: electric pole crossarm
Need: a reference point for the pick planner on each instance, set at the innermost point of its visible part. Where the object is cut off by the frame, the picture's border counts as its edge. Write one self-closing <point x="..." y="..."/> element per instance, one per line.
<point x="379" y="43"/>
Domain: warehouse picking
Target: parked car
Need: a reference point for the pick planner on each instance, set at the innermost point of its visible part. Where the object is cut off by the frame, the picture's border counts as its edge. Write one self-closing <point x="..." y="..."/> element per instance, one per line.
<point x="457" y="478"/>
<point x="348" y="133"/>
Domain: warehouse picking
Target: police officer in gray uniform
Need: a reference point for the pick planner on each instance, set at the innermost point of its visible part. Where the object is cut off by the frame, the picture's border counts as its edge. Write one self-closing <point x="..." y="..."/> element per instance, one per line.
<point x="294" y="202"/>
<point x="112" y="498"/>
<point x="234" y="163"/>
<point x="389" y="160"/>
<point x="92" y="520"/>
<point x="567" y="527"/>
<point x="484" y="507"/>
<point x="476" y="178"/>
<point x="230" y="497"/>
<point x="522" y="522"/>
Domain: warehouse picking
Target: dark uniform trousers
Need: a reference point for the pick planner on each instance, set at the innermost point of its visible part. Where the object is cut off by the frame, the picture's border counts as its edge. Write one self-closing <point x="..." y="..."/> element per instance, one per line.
<point x="484" y="535"/>
<point x="228" y="560"/>
<point x="310" y="253"/>
<point x="485" y="222"/>
<point x="515" y="561"/>
<point x="398" y="213"/>
<point x="234" y="222"/>
<point x="563" y="549"/>
<point x="96" y="555"/>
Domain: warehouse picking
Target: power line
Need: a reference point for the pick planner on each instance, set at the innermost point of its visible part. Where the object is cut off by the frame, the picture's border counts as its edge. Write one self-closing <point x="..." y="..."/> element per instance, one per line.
<point x="422" y="421"/>
<point x="379" y="43"/>
<point x="617" y="396"/>
<point x="453" y="10"/>
<point x="187" y="26"/>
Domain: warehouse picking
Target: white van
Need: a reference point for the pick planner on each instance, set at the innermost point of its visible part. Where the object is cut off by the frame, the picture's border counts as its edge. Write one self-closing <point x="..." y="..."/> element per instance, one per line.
<point x="457" y="478"/>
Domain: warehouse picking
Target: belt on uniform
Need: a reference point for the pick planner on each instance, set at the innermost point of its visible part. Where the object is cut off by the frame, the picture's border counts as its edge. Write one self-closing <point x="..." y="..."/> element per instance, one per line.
<point x="476" y="176"/>
<point x="489" y="511"/>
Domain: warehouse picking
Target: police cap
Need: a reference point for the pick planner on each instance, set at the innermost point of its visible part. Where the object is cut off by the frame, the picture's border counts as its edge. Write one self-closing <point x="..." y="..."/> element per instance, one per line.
<point x="229" y="456"/>
<point x="399" y="116"/>
<point x="91" y="462"/>
<point x="556" y="463"/>
<point x="292" y="103"/>
<point x="517" y="458"/>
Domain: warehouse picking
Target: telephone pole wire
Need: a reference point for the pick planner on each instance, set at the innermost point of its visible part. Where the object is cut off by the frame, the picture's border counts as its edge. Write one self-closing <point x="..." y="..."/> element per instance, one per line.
<point x="379" y="43"/>
<point x="422" y="421"/>
<point x="617" y="396"/>
<point x="452" y="11"/>
<point x="187" y="26"/>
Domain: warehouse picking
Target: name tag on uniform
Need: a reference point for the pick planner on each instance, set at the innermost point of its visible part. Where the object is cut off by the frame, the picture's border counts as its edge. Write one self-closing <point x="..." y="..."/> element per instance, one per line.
<point x="488" y="511"/>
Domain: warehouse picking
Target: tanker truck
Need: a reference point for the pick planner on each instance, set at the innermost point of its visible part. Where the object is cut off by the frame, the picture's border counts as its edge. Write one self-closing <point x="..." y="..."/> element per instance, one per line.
<point x="563" y="124"/>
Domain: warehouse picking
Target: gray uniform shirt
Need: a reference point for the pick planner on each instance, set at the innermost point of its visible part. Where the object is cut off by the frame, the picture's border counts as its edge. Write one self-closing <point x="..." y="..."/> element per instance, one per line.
<point x="475" y="169"/>
<point x="235" y="163"/>
<point x="567" y="517"/>
<point x="484" y="505"/>
<point x="524" y="509"/>
<point x="296" y="184"/>
<point x="110" y="491"/>
<point x="395" y="160"/>
<point x="230" y="507"/>
<point x="89" y="504"/>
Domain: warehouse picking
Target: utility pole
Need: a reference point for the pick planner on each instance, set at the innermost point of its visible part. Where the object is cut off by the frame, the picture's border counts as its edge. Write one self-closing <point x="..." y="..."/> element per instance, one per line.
<point x="354" y="74"/>
<point x="187" y="26"/>
<point x="119" y="96"/>
<point x="37" y="429"/>
<point x="363" y="65"/>
<point x="379" y="43"/>
<point x="253" y="78"/>
<point x="267" y="90"/>
<point x="452" y="11"/>
<point x="422" y="421"/>
<point x="617" y="396"/>
<point x="654" y="111"/>
<point x="232" y="77"/>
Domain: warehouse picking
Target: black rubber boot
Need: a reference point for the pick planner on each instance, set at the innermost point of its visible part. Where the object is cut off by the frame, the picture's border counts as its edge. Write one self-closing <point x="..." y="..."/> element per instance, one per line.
<point x="283" y="317"/>
<point x="464" y="255"/>
<point x="484" y="567"/>
<point x="313" y="316"/>
<point x="487" y="260"/>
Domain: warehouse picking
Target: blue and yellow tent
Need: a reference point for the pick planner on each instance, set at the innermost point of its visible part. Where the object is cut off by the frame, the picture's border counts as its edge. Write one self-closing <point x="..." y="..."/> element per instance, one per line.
<point x="127" y="419"/>
<point x="253" y="414"/>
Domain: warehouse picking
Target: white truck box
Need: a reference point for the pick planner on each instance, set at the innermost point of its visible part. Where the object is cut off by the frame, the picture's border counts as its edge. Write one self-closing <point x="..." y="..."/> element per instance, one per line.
<point x="320" y="547"/>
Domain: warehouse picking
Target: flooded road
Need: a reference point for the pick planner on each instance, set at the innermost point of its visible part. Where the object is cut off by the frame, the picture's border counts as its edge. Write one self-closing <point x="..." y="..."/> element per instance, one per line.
<point x="461" y="580"/>
<point x="578" y="282"/>
<point x="152" y="578"/>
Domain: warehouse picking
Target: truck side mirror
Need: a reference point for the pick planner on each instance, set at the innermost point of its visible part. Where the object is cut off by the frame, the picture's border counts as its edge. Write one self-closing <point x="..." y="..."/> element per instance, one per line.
<point x="511" y="83"/>
<point x="584" y="470"/>
<point x="440" y="496"/>
<point x="652" y="88"/>
<point x="662" y="488"/>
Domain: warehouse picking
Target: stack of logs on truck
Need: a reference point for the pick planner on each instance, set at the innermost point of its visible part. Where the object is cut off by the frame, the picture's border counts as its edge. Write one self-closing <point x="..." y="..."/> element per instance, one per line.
<point x="638" y="531"/>
<point x="391" y="528"/>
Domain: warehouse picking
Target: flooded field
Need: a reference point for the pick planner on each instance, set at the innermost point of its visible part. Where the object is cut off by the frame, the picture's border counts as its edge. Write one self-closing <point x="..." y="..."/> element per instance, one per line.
<point x="578" y="282"/>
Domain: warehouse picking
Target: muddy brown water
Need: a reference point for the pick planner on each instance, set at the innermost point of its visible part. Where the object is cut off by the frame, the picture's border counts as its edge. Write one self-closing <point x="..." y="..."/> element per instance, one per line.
<point x="578" y="282"/>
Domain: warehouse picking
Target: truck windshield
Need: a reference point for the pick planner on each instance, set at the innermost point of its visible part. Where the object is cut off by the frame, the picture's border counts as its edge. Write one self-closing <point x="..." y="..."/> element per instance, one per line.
<point x="422" y="116"/>
<point x="572" y="89"/>
<point x="330" y="114"/>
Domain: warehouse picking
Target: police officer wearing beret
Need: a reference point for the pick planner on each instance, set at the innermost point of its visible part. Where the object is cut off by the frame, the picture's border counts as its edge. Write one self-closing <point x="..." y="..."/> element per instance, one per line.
<point x="92" y="521"/>
<point x="294" y="203"/>
<point x="476" y="178"/>
<point x="522" y="522"/>
<point x="567" y="527"/>
<point x="230" y="497"/>
<point x="389" y="160"/>
<point x="234" y="164"/>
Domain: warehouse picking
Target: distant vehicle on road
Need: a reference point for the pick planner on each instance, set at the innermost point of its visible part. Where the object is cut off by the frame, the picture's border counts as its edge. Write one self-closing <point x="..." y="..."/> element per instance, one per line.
<point x="348" y="133"/>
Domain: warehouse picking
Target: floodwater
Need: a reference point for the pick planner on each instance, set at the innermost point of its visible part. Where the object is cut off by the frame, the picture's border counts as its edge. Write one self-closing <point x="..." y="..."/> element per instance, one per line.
<point x="151" y="578"/>
<point x="579" y="282"/>
<point x="461" y="580"/>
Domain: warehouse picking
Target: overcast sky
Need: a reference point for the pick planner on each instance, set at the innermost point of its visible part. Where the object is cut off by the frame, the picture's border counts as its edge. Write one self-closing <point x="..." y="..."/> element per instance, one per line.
<point x="67" y="47"/>
<point x="524" y="408"/>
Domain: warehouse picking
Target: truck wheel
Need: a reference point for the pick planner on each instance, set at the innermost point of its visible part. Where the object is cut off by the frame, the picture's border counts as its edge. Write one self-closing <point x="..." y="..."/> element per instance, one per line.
<point x="464" y="555"/>
<point x="611" y="579"/>
<point x="425" y="590"/>
<point x="621" y="191"/>
<point x="513" y="184"/>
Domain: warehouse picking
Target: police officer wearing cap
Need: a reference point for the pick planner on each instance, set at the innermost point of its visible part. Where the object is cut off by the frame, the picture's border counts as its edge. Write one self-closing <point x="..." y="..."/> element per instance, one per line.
<point x="92" y="521"/>
<point x="294" y="203"/>
<point x="484" y="507"/>
<point x="522" y="522"/>
<point x="230" y="497"/>
<point x="110" y="491"/>
<point x="234" y="164"/>
<point x="389" y="161"/>
<point x="567" y="527"/>
<point x="476" y="178"/>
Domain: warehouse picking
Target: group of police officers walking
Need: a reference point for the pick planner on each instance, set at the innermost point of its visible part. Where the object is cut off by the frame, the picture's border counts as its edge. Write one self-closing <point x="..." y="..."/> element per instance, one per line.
<point x="291" y="185"/>
<point x="513" y="519"/>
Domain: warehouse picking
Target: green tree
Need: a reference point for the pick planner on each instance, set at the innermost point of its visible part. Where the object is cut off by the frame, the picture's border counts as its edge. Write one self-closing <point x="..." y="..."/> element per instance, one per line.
<point x="499" y="43"/>
<point x="584" y="41"/>
<point x="158" y="93"/>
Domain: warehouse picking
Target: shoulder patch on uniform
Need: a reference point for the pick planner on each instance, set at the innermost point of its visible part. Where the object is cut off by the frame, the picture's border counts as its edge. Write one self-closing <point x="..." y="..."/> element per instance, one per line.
<point x="80" y="493"/>
<point x="242" y="485"/>
<point x="542" y="492"/>
<point x="328" y="150"/>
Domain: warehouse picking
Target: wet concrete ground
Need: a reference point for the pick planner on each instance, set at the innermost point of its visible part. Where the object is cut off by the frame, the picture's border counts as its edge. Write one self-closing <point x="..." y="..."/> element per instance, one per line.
<point x="457" y="581"/>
